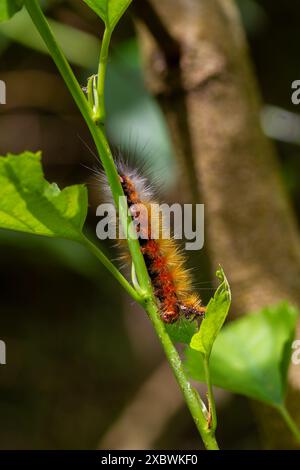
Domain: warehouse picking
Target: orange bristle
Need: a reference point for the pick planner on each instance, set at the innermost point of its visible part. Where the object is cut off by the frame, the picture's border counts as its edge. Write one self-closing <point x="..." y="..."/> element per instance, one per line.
<point x="165" y="263"/>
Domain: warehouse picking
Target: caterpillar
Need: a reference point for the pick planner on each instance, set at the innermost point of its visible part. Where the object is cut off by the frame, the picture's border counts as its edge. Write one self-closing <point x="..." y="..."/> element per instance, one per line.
<point x="165" y="262"/>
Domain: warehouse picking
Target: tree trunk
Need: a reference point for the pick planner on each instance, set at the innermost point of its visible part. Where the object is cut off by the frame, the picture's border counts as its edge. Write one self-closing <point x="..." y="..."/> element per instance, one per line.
<point x="196" y="63"/>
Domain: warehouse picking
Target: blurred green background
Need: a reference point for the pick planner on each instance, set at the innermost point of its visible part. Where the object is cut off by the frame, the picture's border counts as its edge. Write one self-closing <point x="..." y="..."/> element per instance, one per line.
<point x="78" y="351"/>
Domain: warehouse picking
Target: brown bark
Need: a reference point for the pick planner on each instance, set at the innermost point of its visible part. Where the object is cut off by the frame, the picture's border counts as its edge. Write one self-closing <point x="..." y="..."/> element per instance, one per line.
<point x="197" y="64"/>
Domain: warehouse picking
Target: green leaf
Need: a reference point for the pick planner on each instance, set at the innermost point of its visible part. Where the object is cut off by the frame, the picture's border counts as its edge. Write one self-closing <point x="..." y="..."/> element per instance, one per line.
<point x="110" y="11"/>
<point x="251" y="355"/>
<point x="28" y="203"/>
<point x="182" y="331"/>
<point x="8" y="8"/>
<point x="216" y="313"/>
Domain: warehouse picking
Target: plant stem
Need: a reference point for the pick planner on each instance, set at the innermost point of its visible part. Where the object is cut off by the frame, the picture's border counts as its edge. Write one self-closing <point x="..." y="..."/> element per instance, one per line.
<point x="289" y="422"/>
<point x="112" y="269"/>
<point x="101" y="114"/>
<point x="146" y="298"/>
<point x="38" y="18"/>
<point x="212" y="420"/>
<point x="190" y="395"/>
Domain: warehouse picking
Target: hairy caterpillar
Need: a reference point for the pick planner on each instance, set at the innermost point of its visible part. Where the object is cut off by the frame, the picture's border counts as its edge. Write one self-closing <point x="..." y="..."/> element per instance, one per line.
<point x="165" y="262"/>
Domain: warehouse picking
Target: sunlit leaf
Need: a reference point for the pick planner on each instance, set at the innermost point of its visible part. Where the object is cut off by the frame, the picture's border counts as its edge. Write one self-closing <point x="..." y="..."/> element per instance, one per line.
<point x="182" y="331"/>
<point x="216" y="312"/>
<point x="28" y="203"/>
<point x="251" y="355"/>
<point x="8" y="8"/>
<point x="110" y="11"/>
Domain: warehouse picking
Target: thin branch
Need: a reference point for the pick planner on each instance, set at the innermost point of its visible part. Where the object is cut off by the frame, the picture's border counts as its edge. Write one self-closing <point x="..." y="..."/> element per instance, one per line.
<point x="112" y="269"/>
<point x="101" y="114"/>
<point x="191" y="397"/>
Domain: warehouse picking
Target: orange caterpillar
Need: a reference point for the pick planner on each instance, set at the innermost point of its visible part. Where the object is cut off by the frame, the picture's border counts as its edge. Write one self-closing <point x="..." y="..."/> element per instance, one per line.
<point x="165" y="263"/>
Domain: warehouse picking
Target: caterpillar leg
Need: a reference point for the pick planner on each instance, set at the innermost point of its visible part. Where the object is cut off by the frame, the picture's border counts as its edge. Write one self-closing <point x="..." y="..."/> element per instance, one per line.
<point x="192" y="312"/>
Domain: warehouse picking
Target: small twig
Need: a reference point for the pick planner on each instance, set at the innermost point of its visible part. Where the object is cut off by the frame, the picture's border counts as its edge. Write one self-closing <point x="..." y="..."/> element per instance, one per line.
<point x="212" y="415"/>
<point x="112" y="269"/>
<point x="100" y="111"/>
<point x="191" y="397"/>
<point x="289" y="422"/>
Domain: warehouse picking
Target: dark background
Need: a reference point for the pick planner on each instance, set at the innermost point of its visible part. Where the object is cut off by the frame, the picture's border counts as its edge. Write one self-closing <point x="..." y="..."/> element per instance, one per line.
<point x="78" y="351"/>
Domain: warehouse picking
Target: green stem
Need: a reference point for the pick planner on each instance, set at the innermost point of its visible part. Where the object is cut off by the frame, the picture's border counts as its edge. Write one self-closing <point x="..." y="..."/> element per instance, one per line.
<point x="190" y="395"/>
<point x="112" y="269"/>
<point x="212" y="420"/>
<point x="289" y="422"/>
<point x="100" y="140"/>
<point x="100" y="113"/>
<point x="43" y="27"/>
<point x="192" y="399"/>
